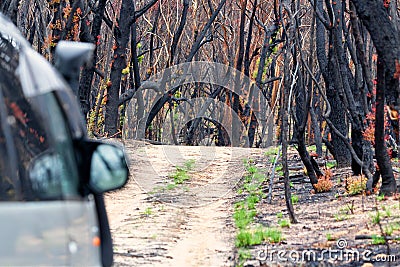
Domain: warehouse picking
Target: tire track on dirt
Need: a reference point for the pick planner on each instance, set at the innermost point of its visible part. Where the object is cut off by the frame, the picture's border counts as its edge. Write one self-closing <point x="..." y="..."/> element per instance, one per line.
<point x="188" y="226"/>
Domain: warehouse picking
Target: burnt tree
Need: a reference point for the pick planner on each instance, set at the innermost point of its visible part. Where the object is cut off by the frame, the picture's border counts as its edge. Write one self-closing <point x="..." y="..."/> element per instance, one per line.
<point x="385" y="37"/>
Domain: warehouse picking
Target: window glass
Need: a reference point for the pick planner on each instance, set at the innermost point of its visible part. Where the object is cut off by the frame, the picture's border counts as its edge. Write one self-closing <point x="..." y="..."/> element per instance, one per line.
<point x="8" y="184"/>
<point x="45" y="167"/>
<point x="9" y="181"/>
<point x="61" y="158"/>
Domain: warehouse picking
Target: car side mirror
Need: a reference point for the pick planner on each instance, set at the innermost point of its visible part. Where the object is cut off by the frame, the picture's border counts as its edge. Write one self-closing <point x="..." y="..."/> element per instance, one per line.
<point x="108" y="170"/>
<point x="69" y="58"/>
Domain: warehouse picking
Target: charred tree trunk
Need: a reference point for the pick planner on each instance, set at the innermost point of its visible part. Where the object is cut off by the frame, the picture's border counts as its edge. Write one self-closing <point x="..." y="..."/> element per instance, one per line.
<point x="328" y="66"/>
<point x="252" y="125"/>
<point x="178" y="32"/>
<point x="349" y="89"/>
<point x="341" y="152"/>
<point x="363" y="85"/>
<point x="128" y="15"/>
<point x="303" y="101"/>
<point x="385" y="168"/>
<point x="88" y="72"/>
<point x="386" y="40"/>
<point x="387" y="43"/>
<point x="238" y="85"/>
<point x="284" y="140"/>
<point x="118" y="63"/>
<point x="289" y="29"/>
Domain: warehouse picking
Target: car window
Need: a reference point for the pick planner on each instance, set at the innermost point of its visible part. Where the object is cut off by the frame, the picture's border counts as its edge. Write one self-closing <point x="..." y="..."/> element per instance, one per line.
<point x="45" y="168"/>
<point x="9" y="182"/>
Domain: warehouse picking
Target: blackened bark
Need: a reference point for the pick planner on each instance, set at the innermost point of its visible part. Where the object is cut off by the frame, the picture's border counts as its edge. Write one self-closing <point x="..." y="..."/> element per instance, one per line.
<point x="238" y="66"/>
<point x="362" y="147"/>
<point x="151" y="48"/>
<point x="189" y="138"/>
<point x="134" y="59"/>
<point x="386" y="40"/>
<point x="88" y="71"/>
<point x="337" y="116"/>
<point x="302" y="106"/>
<point x="134" y="75"/>
<point x="385" y="168"/>
<point x="117" y="65"/>
<point x="252" y="129"/>
<point x="284" y="140"/>
<point x="57" y="18"/>
<point x="247" y="59"/>
<point x="265" y="52"/>
<point x="199" y="40"/>
<point x="134" y="16"/>
<point x="350" y="92"/>
<point x="312" y="94"/>
<point x="285" y="116"/>
<point x="361" y="56"/>
<point x="10" y="9"/>
<point x="179" y="31"/>
<point x="68" y="24"/>
<point x="127" y="17"/>
<point x="328" y="67"/>
<point x="317" y="131"/>
<point x="303" y="102"/>
<point x="136" y="83"/>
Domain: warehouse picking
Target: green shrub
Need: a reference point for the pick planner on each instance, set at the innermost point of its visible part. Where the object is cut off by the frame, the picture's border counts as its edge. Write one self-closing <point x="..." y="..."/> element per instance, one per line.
<point x="247" y="237"/>
<point x="243" y="217"/>
<point x="295" y="199"/>
<point x="378" y="240"/>
<point x="284" y="223"/>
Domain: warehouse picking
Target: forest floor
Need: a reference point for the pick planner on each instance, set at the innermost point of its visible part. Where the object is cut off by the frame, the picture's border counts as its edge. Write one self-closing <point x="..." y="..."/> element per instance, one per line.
<point x="177" y="210"/>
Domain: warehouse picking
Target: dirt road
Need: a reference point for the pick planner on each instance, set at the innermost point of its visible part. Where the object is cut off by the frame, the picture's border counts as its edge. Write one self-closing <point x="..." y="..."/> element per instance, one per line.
<point x="156" y="223"/>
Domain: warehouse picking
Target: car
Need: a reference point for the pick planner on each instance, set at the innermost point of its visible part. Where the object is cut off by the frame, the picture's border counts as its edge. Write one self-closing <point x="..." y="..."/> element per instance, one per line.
<point x="52" y="176"/>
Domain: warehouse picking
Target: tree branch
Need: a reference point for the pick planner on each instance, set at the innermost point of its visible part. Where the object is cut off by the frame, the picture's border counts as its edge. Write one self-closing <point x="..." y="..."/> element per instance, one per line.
<point x="196" y="46"/>
<point x="140" y="12"/>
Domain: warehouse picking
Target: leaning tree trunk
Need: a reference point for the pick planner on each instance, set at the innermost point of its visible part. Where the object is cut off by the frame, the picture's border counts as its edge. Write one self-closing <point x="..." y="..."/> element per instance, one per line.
<point x="387" y="43"/>
<point x="386" y="40"/>
<point x="284" y="139"/>
<point x="362" y="87"/>
<point x="285" y="114"/>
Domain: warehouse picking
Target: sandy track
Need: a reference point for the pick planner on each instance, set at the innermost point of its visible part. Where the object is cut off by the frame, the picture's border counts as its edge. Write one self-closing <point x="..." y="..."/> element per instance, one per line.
<point x="190" y="225"/>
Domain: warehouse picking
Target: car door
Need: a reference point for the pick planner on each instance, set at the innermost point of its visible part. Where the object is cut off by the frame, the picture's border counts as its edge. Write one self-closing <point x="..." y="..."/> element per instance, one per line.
<point x="47" y="220"/>
<point x="33" y="222"/>
<point x="79" y="206"/>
